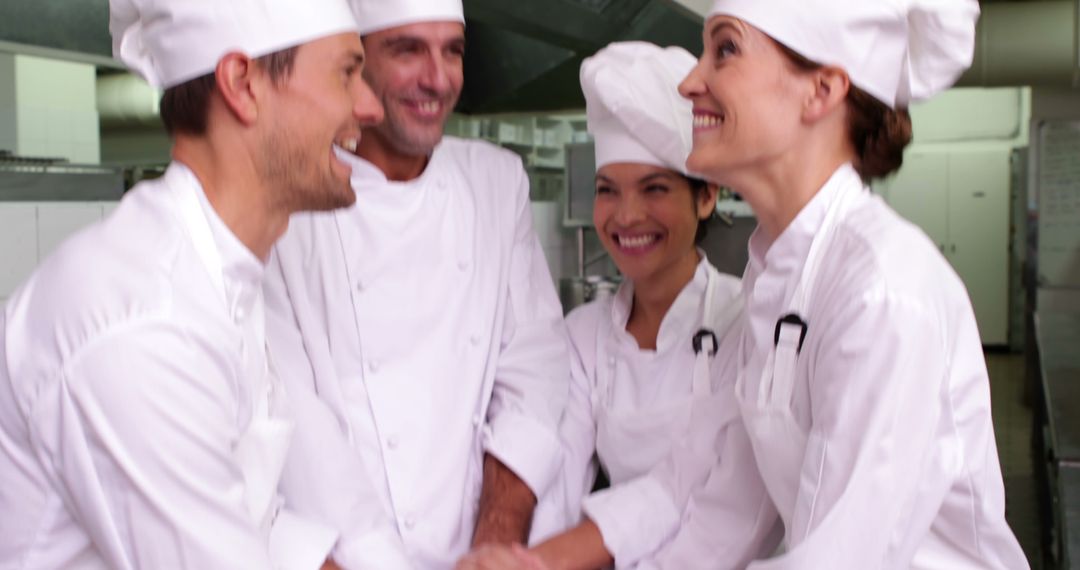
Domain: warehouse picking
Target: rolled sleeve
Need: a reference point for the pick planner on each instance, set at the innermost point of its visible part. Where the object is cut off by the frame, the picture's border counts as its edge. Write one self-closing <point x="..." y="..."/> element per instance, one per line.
<point x="532" y="376"/>
<point x="634" y="518"/>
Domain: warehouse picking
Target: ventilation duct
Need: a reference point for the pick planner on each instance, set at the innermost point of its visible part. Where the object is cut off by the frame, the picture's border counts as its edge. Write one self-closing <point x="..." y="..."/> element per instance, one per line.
<point x="125" y="100"/>
<point x="1025" y="43"/>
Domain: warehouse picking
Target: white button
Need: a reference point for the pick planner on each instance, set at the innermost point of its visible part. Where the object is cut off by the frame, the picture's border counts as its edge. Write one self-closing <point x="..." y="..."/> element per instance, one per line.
<point x="474" y="339"/>
<point x="410" y="523"/>
<point x="373" y="366"/>
<point x="611" y="361"/>
<point x="463" y="265"/>
<point x="441" y="184"/>
<point x="359" y="286"/>
<point x="392" y="442"/>
<point x="241" y="314"/>
<point x="477" y="420"/>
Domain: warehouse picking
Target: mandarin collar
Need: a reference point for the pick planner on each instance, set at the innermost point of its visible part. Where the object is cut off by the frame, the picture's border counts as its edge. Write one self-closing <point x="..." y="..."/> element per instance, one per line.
<point x="367" y="175"/>
<point x="683" y="316"/>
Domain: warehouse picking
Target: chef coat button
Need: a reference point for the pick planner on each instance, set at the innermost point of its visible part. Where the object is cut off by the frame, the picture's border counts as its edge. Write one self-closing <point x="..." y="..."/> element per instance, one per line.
<point x="392" y="442"/>
<point x="474" y="339"/>
<point x="241" y="314"/>
<point x="611" y="361"/>
<point x="359" y="286"/>
<point x="463" y="265"/>
<point x="441" y="184"/>
<point x="477" y="420"/>
<point x="373" y="366"/>
<point x="410" y="523"/>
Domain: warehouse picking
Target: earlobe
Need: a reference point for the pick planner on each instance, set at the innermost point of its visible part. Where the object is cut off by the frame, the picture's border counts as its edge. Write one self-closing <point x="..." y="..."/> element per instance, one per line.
<point x="238" y="82"/>
<point x="707" y="203"/>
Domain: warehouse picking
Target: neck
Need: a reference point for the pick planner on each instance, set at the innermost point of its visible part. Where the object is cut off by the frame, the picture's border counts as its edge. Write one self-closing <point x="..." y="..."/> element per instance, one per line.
<point x="235" y="190"/>
<point x="654" y="296"/>
<point x="396" y="165"/>
<point x="779" y="189"/>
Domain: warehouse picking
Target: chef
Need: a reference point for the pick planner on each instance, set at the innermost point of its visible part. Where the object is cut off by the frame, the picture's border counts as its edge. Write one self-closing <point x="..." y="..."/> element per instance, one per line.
<point x="664" y="345"/>
<point x="425" y="317"/>
<point x="141" y="423"/>
<point x="861" y="378"/>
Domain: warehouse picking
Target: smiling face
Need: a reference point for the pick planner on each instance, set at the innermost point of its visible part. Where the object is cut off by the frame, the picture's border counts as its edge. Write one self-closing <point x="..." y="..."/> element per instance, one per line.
<point x="323" y="103"/>
<point x="747" y="99"/>
<point x="416" y="72"/>
<point x="647" y="218"/>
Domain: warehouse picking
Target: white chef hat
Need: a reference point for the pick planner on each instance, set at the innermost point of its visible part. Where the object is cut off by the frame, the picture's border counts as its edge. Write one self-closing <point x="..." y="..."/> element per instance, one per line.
<point x="169" y="42"/>
<point x="899" y="51"/>
<point x="375" y="15"/>
<point x="633" y="106"/>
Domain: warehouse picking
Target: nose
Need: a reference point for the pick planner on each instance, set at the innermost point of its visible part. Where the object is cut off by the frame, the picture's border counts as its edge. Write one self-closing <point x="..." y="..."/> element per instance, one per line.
<point x="629" y="210"/>
<point x="436" y="74"/>
<point x="693" y="85"/>
<point x="366" y="106"/>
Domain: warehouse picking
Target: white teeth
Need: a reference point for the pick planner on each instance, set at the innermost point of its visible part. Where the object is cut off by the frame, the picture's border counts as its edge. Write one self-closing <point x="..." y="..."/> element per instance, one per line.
<point x="636" y="241"/>
<point x="350" y="144"/>
<point x="706" y="121"/>
<point x="429" y="108"/>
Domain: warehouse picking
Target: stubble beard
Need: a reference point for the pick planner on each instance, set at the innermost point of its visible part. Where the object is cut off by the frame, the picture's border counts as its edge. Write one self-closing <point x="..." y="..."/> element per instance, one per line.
<point x="296" y="183"/>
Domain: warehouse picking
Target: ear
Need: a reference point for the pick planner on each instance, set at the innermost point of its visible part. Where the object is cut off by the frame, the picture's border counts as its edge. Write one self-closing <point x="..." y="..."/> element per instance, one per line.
<point x="829" y="91"/>
<point x="706" y="201"/>
<point x="238" y="80"/>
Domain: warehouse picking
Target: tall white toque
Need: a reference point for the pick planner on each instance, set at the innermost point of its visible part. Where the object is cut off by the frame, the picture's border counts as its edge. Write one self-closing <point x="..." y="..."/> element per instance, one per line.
<point x="169" y="42"/>
<point x="899" y="51"/>
<point x="376" y="15"/>
<point x="633" y="106"/>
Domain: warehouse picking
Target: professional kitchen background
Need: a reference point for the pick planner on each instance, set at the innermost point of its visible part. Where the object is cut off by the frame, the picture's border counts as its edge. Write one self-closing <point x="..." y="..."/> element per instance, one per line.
<point x="993" y="177"/>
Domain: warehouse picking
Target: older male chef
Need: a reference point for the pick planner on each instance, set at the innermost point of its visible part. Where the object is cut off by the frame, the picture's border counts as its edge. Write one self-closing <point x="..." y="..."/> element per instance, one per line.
<point x="425" y="317"/>
<point x="141" y="425"/>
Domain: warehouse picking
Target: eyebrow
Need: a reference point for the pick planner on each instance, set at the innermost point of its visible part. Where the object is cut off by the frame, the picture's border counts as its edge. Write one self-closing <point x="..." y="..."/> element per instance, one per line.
<point x="722" y="25"/>
<point x="652" y="177"/>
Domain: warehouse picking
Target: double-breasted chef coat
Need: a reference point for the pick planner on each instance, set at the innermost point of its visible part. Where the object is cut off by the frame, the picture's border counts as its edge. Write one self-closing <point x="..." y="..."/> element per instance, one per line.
<point x="425" y="319"/>
<point x="863" y="388"/>
<point x="141" y="425"/>
<point x="630" y="407"/>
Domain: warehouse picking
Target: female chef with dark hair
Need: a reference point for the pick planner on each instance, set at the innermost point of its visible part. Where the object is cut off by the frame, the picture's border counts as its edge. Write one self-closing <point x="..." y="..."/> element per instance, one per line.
<point x="860" y="373"/>
<point x="657" y="352"/>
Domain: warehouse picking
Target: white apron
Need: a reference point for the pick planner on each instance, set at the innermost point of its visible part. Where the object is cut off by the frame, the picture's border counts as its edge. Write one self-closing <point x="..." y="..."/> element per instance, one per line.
<point x="779" y="442"/>
<point x="630" y="442"/>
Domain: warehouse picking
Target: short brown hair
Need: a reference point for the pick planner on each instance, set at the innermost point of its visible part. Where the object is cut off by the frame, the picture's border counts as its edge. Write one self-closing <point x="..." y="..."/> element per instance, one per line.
<point x="185" y="108"/>
<point x="878" y="133"/>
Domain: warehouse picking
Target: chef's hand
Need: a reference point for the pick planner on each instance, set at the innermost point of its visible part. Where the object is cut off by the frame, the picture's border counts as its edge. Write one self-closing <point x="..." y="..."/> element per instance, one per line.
<point x="500" y="557"/>
<point x="330" y="565"/>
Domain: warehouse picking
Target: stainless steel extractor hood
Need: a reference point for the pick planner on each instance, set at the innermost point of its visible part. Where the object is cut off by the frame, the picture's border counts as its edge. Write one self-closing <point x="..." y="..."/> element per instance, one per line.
<point x="523" y="55"/>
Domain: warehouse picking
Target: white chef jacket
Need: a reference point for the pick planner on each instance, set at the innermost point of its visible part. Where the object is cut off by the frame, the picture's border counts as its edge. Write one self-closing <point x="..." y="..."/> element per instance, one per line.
<point x="645" y="383"/>
<point x="425" y="319"/>
<point x="129" y="376"/>
<point x="900" y="468"/>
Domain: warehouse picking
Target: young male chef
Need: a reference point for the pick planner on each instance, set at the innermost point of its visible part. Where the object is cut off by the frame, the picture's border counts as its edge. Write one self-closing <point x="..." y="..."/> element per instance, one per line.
<point x="425" y="316"/>
<point x="141" y="423"/>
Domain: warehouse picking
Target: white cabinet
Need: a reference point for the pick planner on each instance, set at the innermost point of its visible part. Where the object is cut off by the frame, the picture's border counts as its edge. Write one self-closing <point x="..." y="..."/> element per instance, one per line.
<point x="960" y="198"/>
<point x="30" y="231"/>
<point x="18" y="245"/>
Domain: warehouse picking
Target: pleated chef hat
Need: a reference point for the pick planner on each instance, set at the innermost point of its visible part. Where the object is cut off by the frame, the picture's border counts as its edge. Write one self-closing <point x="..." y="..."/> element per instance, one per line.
<point x="633" y="106"/>
<point x="169" y="42"/>
<point x="376" y="15"/>
<point x="899" y="51"/>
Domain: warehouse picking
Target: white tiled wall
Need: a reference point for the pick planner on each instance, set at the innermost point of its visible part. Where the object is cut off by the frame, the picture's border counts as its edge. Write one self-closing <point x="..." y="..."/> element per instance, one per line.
<point x="30" y="231"/>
